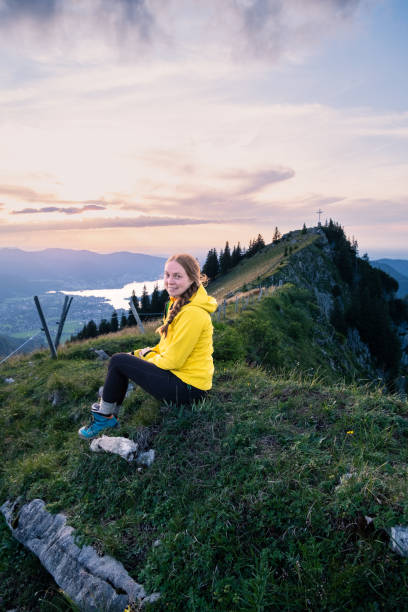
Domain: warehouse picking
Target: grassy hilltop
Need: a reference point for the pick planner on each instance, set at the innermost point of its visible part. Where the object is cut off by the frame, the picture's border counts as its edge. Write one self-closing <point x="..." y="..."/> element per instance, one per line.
<point x="258" y="495"/>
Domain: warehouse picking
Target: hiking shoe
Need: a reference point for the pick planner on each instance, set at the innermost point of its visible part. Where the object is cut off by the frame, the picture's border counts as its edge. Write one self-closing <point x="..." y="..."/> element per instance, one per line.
<point x="98" y="424"/>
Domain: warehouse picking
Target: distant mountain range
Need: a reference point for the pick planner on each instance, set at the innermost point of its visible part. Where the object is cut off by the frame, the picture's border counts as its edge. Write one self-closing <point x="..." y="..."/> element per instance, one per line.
<point x="25" y="273"/>
<point x="398" y="269"/>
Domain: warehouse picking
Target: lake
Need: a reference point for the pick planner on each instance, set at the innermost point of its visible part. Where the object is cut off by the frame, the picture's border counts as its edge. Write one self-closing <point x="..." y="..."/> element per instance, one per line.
<point x="119" y="298"/>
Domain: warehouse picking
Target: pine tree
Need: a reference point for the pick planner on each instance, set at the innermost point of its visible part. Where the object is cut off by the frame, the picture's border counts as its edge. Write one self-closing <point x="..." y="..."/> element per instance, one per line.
<point x="260" y="242"/>
<point x="221" y="261"/>
<point x="155" y="301"/>
<point x="236" y="255"/>
<point x="90" y="329"/>
<point x="164" y="298"/>
<point x="304" y="229"/>
<point x="277" y="235"/>
<point x="225" y="259"/>
<point x="144" y="304"/>
<point x="131" y="321"/>
<point x="104" y="327"/>
<point x="206" y="267"/>
<point x="123" y="321"/>
<point x="114" y="323"/>
<point x="211" y="266"/>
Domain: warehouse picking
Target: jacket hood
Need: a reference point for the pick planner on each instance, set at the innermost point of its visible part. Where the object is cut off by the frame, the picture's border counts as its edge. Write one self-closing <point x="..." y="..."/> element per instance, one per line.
<point x="202" y="300"/>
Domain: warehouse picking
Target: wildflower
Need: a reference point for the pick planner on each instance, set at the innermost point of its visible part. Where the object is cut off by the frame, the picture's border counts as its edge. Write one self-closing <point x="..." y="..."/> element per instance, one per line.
<point x="350" y="433"/>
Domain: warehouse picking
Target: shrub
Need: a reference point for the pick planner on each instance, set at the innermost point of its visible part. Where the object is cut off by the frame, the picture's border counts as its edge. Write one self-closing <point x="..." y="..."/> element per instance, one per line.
<point x="228" y="343"/>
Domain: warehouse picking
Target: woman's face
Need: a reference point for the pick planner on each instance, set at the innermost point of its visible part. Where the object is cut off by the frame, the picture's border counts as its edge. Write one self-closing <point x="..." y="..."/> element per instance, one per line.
<point x="176" y="280"/>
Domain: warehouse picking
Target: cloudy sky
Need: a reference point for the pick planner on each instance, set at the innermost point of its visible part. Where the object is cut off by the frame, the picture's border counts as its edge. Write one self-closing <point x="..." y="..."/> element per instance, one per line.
<point x="164" y="125"/>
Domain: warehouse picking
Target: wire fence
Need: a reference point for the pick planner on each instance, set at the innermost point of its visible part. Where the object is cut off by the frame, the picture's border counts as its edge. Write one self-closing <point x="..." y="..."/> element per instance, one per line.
<point x="21" y="346"/>
<point x="241" y="301"/>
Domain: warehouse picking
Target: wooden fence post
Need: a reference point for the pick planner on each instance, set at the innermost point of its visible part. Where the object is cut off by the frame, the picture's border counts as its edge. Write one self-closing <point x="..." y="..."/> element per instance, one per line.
<point x="65" y="308"/>
<point x="136" y="315"/>
<point x="45" y="328"/>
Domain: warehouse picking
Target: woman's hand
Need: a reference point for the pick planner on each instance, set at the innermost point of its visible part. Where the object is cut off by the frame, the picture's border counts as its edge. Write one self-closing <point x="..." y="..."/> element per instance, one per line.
<point x="145" y="350"/>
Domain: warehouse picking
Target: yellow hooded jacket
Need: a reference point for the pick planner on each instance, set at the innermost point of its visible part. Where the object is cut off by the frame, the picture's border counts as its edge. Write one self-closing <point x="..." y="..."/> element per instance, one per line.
<point x="187" y="349"/>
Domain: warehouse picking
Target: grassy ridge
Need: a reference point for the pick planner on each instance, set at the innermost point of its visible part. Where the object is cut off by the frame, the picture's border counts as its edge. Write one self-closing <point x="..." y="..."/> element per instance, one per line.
<point x="248" y="495"/>
<point x="259" y="268"/>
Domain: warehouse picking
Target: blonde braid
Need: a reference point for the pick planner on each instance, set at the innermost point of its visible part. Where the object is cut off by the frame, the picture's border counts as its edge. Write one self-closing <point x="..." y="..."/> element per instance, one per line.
<point x="181" y="301"/>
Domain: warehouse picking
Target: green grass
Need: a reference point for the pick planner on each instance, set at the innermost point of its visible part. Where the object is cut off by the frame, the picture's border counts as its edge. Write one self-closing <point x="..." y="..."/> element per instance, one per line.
<point x="248" y="494"/>
<point x="257" y="269"/>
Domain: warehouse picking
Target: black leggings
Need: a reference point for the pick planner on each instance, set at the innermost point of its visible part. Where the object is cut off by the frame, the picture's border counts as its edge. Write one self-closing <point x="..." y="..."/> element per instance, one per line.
<point x="162" y="384"/>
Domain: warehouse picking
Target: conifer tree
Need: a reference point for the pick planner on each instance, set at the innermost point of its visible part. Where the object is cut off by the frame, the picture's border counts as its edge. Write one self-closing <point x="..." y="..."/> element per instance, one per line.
<point x="260" y="242"/>
<point x="211" y="266"/>
<point x="114" y="323"/>
<point x="164" y="298"/>
<point x="277" y="235"/>
<point x="207" y="267"/>
<point x="145" y="301"/>
<point x="104" y="327"/>
<point x="123" y="321"/>
<point x="236" y="255"/>
<point x="155" y="301"/>
<point x="225" y="259"/>
<point x="131" y="321"/>
<point x="145" y="305"/>
<point x="304" y="229"/>
<point x="91" y="329"/>
<point x="255" y="245"/>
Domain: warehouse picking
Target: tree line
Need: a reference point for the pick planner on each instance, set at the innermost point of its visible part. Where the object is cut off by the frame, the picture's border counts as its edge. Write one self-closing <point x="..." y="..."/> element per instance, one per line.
<point x="218" y="264"/>
<point x="153" y="305"/>
<point x="370" y="306"/>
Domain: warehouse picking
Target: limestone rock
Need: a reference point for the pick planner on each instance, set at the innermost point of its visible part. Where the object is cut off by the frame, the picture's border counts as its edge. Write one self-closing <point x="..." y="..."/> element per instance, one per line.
<point x="119" y="446"/>
<point x="399" y="540"/>
<point x="124" y="447"/>
<point x="94" y="583"/>
<point x="102" y="356"/>
<point x="146" y="458"/>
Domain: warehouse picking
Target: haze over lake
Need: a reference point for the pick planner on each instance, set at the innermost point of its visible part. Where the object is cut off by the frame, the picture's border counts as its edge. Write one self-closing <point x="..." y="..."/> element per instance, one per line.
<point x="119" y="298"/>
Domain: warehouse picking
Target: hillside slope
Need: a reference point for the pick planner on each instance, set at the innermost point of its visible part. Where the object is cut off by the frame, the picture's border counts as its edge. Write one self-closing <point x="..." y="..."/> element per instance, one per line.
<point x="257" y="496"/>
<point x="278" y="492"/>
<point x="259" y="268"/>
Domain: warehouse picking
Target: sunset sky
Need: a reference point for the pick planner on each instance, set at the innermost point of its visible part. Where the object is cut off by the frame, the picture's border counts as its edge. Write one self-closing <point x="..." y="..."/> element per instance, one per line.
<point x="164" y="125"/>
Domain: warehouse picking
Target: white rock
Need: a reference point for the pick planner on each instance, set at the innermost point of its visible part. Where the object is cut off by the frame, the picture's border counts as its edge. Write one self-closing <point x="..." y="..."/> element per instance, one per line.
<point x="119" y="446"/>
<point x="94" y="583"/>
<point x="9" y="380"/>
<point x="399" y="540"/>
<point x="146" y="458"/>
<point x="100" y="353"/>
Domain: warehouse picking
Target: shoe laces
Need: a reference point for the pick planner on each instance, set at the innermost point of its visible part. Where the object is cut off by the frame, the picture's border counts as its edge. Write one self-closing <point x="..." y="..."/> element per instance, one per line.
<point x="91" y="422"/>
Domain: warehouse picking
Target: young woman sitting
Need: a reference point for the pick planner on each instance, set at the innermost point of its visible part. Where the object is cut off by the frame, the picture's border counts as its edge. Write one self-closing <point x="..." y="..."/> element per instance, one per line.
<point x="179" y="368"/>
